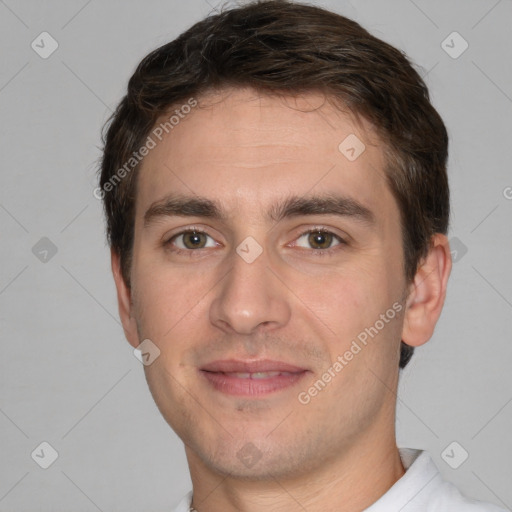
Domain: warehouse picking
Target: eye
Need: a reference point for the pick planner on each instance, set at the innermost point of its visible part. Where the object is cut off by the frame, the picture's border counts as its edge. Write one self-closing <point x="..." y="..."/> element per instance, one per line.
<point x="318" y="239"/>
<point x="191" y="239"/>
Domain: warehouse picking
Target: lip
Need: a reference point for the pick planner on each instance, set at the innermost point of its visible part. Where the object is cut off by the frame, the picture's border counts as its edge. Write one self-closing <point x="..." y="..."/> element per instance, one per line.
<point x="222" y="376"/>
<point x="261" y="365"/>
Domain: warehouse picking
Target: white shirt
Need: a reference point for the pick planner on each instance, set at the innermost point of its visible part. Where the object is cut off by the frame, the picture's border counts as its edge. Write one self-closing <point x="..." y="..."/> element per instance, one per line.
<point x="421" y="489"/>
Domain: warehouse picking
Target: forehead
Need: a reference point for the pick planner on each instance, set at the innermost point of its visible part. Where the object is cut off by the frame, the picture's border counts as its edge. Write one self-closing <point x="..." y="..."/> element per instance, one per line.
<point x="246" y="150"/>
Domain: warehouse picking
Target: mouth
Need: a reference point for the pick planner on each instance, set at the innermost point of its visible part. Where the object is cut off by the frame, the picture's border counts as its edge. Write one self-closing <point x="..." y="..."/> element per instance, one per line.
<point x="251" y="378"/>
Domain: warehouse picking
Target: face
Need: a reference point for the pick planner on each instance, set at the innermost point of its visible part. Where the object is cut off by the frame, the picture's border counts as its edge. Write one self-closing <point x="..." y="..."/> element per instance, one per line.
<point x="268" y="270"/>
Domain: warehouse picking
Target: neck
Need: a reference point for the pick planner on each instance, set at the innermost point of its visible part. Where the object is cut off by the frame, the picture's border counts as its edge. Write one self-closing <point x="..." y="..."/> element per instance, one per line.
<point x="350" y="482"/>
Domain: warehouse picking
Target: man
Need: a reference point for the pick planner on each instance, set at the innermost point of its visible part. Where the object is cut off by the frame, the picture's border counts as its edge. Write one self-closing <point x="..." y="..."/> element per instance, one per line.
<point x="277" y="206"/>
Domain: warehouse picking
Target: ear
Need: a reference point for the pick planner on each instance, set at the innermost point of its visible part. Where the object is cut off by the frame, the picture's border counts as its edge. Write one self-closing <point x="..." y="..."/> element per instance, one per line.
<point x="427" y="294"/>
<point x="124" y="301"/>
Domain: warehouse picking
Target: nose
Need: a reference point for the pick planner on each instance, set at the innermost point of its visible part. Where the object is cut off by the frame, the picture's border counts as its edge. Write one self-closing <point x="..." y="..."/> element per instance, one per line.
<point x="250" y="297"/>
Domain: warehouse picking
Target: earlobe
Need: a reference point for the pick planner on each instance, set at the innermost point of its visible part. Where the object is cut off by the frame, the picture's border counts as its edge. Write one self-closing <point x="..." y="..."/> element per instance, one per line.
<point x="124" y="301"/>
<point x="426" y="299"/>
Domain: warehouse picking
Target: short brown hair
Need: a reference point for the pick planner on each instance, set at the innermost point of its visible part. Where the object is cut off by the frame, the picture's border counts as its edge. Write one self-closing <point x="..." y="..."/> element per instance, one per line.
<point x="279" y="47"/>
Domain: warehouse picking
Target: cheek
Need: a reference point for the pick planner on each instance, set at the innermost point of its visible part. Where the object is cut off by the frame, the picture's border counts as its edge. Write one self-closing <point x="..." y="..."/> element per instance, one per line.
<point x="166" y="300"/>
<point x="347" y="296"/>
<point x="349" y="303"/>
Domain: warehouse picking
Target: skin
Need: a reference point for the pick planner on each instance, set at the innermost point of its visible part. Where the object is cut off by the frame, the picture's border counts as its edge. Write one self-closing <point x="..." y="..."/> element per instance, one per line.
<point x="248" y="151"/>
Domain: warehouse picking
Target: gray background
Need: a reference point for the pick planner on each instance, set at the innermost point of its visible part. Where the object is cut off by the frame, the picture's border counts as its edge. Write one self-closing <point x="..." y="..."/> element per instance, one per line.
<point x="67" y="375"/>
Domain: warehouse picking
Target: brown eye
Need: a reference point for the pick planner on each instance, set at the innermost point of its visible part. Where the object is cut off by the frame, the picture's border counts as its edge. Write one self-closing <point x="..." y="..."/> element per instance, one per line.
<point x="194" y="240"/>
<point x="191" y="239"/>
<point x="320" y="239"/>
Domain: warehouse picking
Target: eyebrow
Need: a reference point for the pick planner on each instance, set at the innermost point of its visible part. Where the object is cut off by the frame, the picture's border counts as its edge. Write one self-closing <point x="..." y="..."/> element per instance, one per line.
<point x="294" y="206"/>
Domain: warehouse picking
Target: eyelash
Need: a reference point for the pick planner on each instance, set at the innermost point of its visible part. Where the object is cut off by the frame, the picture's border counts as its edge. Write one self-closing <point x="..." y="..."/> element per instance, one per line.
<point x="323" y="252"/>
<point x="315" y="252"/>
